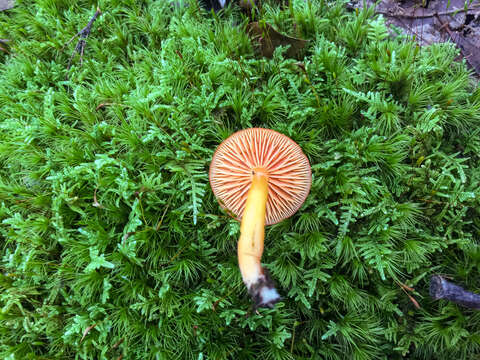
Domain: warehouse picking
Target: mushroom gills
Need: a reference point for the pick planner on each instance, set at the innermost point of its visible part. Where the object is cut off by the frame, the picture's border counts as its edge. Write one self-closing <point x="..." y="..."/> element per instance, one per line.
<point x="250" y="245"/>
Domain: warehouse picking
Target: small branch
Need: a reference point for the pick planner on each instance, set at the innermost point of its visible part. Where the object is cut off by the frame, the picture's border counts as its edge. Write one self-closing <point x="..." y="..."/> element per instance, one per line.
<point x="443" y="289"/>
<point x="105" y="104"/>
<point x="176" y="255"/>
<point x="82" y="35"/>
<point x="126" y="236"/>
<point x="117" y="344"/>
<point x="423" y="16"/>
<point x="87" y="330"/>
<point x="163" y="215"/>
<point x="215" y="304"/>
<point x="4" y="42"/>
<point x="445" y="26"/>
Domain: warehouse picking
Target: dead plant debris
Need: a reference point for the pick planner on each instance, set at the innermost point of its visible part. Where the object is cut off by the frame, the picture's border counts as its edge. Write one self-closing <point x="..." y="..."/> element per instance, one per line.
<point x="435" y="21"/>
<point x="268" y="39"/>
<point x="82" y="42"/>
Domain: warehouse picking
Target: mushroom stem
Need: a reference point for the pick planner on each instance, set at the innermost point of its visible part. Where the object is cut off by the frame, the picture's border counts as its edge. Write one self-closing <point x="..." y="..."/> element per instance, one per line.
<point x="250" y="244"/>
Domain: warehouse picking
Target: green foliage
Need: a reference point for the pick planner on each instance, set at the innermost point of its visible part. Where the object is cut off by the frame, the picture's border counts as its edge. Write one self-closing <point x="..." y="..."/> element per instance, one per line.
<point x="113" y="244"/>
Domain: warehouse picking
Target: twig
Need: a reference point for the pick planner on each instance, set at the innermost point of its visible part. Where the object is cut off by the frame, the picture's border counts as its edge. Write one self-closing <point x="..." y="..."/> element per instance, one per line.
<point x="82" y="34"/>
<point x="428" y="15"/>
<point x="176" y="255"/>
<point x="163" y="215"/>
<point x="4" y="43"/>
<point x="105" y="104"/>
<point x="445" y="26"/>
<point x="215" y="304"/>
<point x="137" y="195"/>
<point x="117" y="344"/>
<point x="443" y="289"/>
<point x="87" y="330"/>
<point x="126" y="236"/>
<point x="417" y="35"/>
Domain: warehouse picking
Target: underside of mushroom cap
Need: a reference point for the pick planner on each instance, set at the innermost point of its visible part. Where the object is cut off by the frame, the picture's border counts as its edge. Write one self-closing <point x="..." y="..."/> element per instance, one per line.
<point x="261" y="150"/>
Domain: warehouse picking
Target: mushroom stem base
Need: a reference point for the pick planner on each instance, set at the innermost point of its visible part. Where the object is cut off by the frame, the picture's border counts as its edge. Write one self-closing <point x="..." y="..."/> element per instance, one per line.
<point x="263" y="291"/>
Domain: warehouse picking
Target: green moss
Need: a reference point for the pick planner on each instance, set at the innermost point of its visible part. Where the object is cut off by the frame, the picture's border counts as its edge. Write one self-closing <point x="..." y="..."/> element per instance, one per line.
<point x="107" y="217"/>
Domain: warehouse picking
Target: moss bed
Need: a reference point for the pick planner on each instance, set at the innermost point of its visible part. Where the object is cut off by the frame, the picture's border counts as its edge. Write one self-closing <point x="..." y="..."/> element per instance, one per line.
<point x="113" y="245"/>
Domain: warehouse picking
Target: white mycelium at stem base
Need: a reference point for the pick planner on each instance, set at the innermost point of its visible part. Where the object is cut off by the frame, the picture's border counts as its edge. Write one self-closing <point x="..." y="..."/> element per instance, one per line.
<point x="262" y="177"/>
<point x="250" y="244"/>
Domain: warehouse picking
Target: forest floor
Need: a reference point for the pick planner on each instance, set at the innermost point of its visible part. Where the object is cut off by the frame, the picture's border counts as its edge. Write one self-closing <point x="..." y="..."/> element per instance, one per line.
<point x="430" y="21"/>
<point x="437" y="21"/>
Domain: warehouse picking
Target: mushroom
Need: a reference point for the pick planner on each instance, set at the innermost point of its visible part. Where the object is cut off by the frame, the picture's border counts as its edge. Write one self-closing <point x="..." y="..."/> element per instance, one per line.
<point x="262" y="177"/>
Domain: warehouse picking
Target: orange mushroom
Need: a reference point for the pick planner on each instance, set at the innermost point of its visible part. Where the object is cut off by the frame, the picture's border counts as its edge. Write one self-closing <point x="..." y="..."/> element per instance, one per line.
<point x="262" y="177"/>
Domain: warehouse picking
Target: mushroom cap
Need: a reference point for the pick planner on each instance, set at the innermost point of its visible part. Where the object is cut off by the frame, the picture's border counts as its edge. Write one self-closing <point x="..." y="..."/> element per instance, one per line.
<point x="287" y="168"/>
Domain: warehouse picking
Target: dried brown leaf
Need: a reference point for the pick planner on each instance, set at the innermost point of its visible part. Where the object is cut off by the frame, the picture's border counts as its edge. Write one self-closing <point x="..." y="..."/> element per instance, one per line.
<point x="267" y="39"/>
<point x="415" y="302"/>
<point x="405" y="286"/>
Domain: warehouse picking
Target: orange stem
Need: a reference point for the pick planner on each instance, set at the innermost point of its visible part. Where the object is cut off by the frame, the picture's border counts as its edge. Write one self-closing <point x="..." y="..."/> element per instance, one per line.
<point x="250" y="244"/>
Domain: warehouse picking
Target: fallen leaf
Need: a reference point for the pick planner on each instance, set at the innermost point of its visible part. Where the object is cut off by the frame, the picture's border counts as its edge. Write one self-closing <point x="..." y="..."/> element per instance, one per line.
<point x="268" y="39"/>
